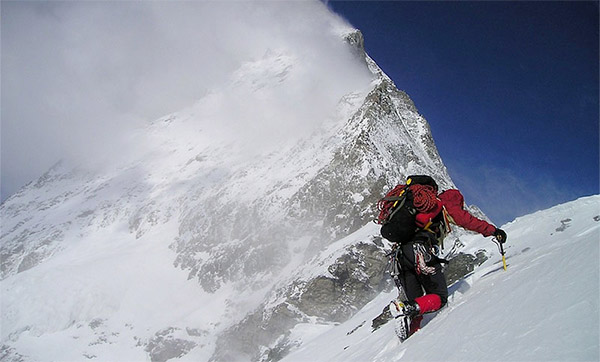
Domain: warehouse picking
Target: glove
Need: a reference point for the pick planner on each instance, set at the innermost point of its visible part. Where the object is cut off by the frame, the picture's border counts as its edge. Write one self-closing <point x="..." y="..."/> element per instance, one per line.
<point x="500" y="235"/>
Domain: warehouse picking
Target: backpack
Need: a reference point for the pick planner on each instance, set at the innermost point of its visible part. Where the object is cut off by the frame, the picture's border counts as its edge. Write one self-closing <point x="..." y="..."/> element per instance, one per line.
<point x="403" y="209"/>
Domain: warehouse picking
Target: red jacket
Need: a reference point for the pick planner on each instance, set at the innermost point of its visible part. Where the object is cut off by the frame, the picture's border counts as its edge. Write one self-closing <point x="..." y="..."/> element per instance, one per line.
<point x="454" y="202"/>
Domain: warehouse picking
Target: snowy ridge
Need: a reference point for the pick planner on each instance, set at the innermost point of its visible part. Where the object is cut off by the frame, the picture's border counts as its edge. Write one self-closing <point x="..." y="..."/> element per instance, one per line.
<point x="544" y="307"/>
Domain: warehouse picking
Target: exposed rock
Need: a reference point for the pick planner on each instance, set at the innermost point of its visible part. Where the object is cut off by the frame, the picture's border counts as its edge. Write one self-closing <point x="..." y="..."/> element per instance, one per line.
<point x="353" y="280"/>
<point x="356" y="277"/>
<point x="566" y="223"/>
<point x="164" y="346"/>
<point x="243" y="341"/>
<point x="456" y="269"/>
<point x="9" y="354"/>
<point x="463" y="264"/>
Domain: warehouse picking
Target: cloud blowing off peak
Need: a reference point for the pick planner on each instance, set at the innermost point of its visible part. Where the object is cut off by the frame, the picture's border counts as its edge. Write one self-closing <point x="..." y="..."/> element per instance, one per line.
<point x="78" y="76"/>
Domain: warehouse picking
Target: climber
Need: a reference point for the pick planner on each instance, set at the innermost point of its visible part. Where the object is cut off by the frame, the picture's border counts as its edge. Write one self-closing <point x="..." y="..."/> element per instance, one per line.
<point x="419" y="269"/>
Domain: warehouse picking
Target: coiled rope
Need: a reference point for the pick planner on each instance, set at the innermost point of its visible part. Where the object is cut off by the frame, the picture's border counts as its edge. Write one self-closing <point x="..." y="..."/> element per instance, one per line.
<point x="385" y="205"/>
<point x="424" y="198"/>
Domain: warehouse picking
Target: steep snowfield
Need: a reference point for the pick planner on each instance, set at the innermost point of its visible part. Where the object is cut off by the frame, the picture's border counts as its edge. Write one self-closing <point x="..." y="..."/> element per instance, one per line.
<point x="122" y="289"/>
<point x="543" y="307"/>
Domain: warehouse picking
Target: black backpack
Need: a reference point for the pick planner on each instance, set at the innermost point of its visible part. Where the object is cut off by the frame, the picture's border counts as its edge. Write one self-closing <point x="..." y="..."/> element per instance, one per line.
<point x="397" y="212"/>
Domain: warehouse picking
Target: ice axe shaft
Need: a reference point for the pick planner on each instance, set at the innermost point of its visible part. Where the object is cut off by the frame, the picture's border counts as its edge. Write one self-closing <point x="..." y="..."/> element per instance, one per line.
<point x="501" y="248"/>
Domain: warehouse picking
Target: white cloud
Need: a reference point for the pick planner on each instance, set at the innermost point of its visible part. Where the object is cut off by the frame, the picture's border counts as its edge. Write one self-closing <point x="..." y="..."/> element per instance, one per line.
<point x="76" y="76"/>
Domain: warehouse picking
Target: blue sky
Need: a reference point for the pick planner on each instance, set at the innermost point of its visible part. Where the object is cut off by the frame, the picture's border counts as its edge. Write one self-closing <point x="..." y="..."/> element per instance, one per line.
<point x="510" y="90"/>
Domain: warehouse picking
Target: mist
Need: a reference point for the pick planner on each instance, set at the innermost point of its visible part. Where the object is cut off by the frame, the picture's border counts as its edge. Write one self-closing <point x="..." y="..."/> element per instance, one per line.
<point x="79" y="77"/>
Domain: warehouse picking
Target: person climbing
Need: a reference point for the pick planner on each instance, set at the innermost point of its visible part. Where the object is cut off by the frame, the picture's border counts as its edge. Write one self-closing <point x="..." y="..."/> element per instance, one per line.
<point x="416" y="219"/>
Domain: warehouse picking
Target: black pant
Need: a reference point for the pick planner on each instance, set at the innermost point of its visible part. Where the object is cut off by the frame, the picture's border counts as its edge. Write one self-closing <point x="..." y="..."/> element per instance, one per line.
<point x="415" y="284"/>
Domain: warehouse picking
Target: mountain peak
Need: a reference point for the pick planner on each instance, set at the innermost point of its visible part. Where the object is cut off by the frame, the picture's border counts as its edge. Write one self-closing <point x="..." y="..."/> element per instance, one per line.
<point x="250" y="205"/>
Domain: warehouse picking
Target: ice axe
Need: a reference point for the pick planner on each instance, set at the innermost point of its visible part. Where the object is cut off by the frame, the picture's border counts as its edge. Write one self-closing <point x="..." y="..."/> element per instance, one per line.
<point x="501" y="248"/>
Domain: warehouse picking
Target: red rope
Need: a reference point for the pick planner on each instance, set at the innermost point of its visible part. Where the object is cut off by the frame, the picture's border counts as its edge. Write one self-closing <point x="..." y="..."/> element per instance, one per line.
<point x="424" y="200"/>
<point x="424" y="197"/>
<point x="385" y="206"/>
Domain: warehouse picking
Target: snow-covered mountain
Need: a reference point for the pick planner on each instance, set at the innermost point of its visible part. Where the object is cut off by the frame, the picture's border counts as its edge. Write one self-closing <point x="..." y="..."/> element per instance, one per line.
<point x="212" y="237"/>
<point x="544" y="307"/>
<point x="233" y="229"/>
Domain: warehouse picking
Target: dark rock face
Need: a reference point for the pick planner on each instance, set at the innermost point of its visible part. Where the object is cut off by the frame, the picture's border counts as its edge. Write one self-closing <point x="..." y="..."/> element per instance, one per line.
<point x="353" y="279"/>
<point x="164" y="346"/>
<point x="357" y="276"/>
<point x="463" y="264"/>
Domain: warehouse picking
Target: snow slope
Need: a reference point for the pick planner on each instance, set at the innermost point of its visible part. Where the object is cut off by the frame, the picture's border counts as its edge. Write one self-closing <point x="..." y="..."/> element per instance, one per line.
<point x="543" y="307"/>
